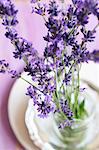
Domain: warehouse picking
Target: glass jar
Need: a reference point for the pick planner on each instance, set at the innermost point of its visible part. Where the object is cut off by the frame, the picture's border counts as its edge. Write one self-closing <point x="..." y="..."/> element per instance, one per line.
<point x="82" y="132"/>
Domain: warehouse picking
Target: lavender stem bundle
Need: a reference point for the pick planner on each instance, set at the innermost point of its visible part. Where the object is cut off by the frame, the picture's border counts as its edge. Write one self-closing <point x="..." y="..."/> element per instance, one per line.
<point x="57" y="73"/>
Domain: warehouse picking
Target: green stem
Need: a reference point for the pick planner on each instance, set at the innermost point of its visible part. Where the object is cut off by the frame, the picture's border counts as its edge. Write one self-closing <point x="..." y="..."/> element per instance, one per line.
<point x="65" y="90"/>
<point x="73" y="79"/>
<point x="56" y="79"/>
<point x="82" y="44"/>
<point x="32" y="85"/>
<point x="76" y="93"/>
<point x="68" y="72"/>
<point x="25" y="60"/>
<point x="57" y="95"/>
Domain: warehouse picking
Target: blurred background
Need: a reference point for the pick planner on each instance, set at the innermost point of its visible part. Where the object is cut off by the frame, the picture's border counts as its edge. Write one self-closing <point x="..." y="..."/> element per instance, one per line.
<point x="32" y="28"/>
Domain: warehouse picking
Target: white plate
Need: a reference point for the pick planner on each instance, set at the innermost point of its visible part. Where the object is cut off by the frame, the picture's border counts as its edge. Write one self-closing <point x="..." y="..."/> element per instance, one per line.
<point x="17" y="106"/>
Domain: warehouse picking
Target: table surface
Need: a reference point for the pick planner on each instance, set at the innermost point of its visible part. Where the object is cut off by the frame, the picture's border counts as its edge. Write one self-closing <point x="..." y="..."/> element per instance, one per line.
<point x="31" y="29"/>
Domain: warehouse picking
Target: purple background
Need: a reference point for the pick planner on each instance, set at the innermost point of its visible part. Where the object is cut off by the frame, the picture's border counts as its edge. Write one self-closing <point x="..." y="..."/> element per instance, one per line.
<point x="32" y="28"/>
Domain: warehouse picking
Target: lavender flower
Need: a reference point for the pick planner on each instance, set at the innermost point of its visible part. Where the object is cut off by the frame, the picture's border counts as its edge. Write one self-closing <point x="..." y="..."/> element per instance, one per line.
<point x="53" y="25"/>
<point x="11" y="34"/>
<point x="45" y="107"/>
<point x="85" y="8"/>
<point x="71" y="18"/>
<point x="7" y="8"/>
<point x="34" y="1"/>
<point x="35" y="67"/>
<point x="9" y="21"/>
<point x="66" y="123"/>
<point x="94" y="56"/>
<point x="79" y="54"/>
<point x="92" y="6"/>
<point x="23" y="48"/>
<point x="88" y="35"/>
<point x="67" y="60"/>
<point x="32" y="93"/>
<point x="66" y="109"/>
<point x="53" y="8"/>
<point x="51" y="50"/>
<point x="5" y="68"/>
<point x="40" y="73"/>
<point x="8" y="13"/>
<point x="77" y="2"/>
<point x="14" y="73"/>
<point x="67" y="78"/>
<point x="68" y="39"/>
<point x="39" y="9"/>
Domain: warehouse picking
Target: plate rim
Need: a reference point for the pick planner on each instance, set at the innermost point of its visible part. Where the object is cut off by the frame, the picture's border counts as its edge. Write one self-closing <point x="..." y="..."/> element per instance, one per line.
<point x="22" y="142"/>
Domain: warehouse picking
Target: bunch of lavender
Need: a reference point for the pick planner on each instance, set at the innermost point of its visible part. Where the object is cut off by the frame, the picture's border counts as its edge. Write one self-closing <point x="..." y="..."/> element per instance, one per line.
<point x="57" y="73"/>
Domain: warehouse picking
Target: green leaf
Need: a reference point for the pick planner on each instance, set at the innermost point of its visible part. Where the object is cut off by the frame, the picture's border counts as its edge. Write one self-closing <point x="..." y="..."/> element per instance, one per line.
<point x="82" y="111"/>
<point x="82" y="105"/>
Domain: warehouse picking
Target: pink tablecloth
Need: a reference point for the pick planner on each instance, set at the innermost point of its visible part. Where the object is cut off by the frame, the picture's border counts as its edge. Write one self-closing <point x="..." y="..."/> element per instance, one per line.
<point x="32" y="28"/>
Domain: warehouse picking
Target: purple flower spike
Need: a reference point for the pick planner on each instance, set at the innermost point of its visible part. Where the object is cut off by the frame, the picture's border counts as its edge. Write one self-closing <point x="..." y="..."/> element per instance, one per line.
<point x="7" y="9"/>
<point x="5" y="68"/>
<point x="45" y="107"/>
<point x="66" y="109"/>
<point x="53" y="8"/>
<point x="14" y="74"/>
<point x="11" y="34"/>
<point x="94" y="56"/>
<point x="34" y="1"/>
<point x="39" y="9"/>
<point x="23" y="48"/>
<point x="92" y="6"/>
<point x="85" y="8"/>
<point x="31" y="91"/>
<point x="67" y="78"/>
<point x="66" y="123"/>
